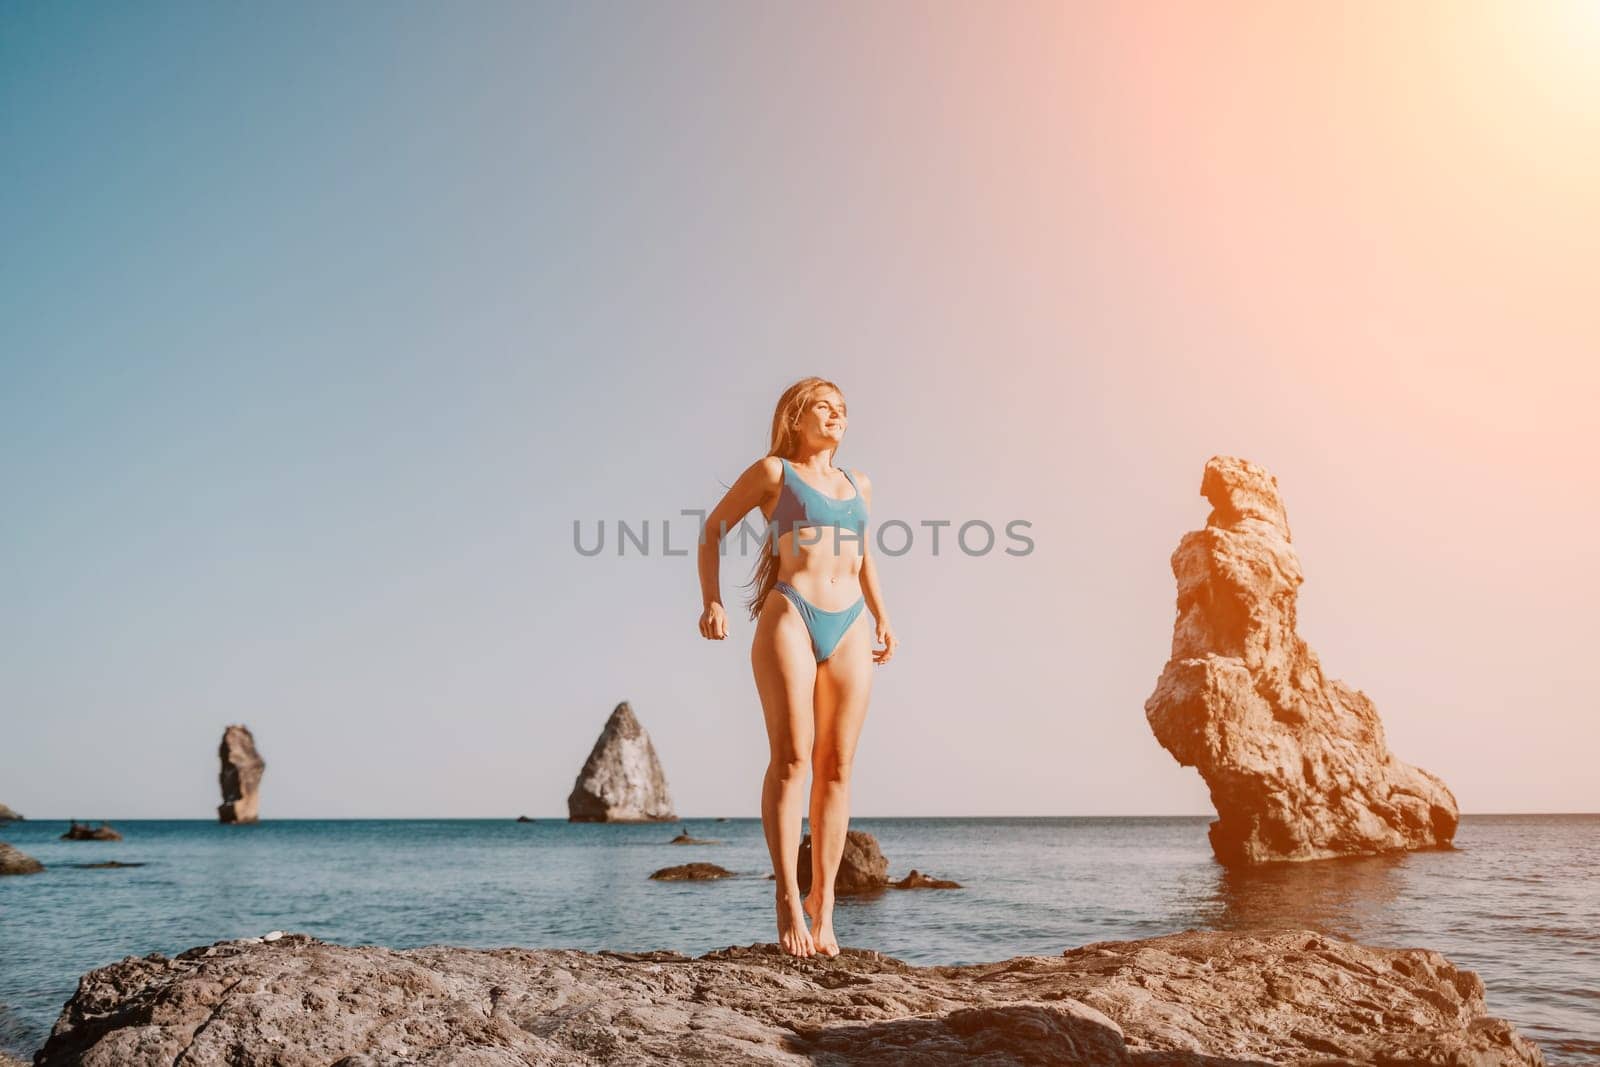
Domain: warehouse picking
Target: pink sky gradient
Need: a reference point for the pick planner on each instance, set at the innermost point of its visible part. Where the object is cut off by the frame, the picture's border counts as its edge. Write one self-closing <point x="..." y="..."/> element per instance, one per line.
<point x="314" y="392"/>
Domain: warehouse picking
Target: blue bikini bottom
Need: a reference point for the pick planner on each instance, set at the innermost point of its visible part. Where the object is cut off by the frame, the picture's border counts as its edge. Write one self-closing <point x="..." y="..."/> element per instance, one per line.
<point x="825" y="627"/>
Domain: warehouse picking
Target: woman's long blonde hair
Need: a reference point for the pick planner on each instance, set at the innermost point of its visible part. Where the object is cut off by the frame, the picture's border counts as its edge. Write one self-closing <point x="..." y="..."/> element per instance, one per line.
<point x="785" y="438"/>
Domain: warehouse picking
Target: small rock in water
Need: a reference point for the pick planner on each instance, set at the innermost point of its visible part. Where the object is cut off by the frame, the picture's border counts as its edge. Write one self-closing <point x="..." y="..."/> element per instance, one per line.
<point x="917" y="880"/>
<point x="691" y="872"/>
<point x="82" y="831"/>
<point x="15" y="861"/>
<point x="862" y="869"/>
<point x="108" y="865"/>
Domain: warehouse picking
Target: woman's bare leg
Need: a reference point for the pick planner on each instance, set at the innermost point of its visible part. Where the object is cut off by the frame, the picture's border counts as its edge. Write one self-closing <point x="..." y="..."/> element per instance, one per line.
<point x="844" y="684"/>
<point x="785" y="671"/>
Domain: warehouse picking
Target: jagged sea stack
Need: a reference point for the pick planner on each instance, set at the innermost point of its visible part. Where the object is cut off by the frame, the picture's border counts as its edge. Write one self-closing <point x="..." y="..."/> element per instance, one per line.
<point x="1296" y="762"/>
<point x="622" y="780"/>
<point x="241" y="776"/>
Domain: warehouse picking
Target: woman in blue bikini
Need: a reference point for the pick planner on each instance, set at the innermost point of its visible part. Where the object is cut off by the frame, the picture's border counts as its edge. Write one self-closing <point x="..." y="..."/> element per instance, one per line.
<point x="813" y="649"/>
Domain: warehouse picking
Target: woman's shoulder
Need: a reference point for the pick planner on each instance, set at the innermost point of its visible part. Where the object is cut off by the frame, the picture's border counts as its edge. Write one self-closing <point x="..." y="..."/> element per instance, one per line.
<point x="860" y="478"/>
<point x="770" y="468"/>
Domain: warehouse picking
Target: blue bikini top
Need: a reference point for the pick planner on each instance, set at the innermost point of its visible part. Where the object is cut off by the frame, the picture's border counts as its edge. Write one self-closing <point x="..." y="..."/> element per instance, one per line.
<point x="800" y="506"/>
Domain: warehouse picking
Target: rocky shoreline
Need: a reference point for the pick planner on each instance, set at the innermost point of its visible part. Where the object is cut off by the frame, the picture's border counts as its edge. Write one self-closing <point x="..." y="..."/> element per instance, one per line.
<point x="1194" y="998"/>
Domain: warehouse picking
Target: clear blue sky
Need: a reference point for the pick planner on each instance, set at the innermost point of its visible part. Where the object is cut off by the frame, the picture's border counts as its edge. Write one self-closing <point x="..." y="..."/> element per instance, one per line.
<point x="321" y="324"/>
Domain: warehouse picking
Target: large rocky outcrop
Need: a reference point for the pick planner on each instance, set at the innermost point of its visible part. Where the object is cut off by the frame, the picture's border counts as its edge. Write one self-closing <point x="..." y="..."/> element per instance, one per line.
<point x="1194" y="999"/>
<point x="1296" y="762"/>
<point x="15" y="861"/>
<point x="8" y="815"/>
<point x="240" y="776"/>
<point x="621" y="781"/>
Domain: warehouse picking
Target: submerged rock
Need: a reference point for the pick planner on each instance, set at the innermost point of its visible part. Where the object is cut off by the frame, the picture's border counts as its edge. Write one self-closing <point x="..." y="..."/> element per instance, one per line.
<point x="691" y="872"/>
<point x="240" y="776"/>
<point x="1191" y="998"/>
<point x="15" y="861"/>
<point x="917" y="880"/>
<point x="82" y="831"/>
<point x="685" y="838"/>
<point x="862" y="868"/>
<point x="8" y="815"/>
<point x="1296" y="762"/>
<point x="621" y="781"/>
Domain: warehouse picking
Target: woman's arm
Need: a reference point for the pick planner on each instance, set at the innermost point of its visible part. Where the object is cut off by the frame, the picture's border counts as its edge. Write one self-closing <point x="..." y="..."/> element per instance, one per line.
<point x="869" y="585"/>
<point x="748" y="490"/>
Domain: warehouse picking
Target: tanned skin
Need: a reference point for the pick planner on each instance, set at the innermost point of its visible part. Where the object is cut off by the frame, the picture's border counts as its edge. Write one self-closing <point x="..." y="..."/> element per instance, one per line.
<point x="814" y="711"/>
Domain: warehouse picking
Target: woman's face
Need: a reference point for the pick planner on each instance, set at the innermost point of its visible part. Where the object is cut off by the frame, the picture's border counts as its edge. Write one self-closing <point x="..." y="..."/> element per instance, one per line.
<point x="824" y="418"/>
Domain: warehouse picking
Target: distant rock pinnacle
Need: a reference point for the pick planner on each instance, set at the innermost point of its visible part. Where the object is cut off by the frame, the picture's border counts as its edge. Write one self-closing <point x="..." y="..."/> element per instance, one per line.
<point x="240" y="777"/>
<point x="622" y="780"/>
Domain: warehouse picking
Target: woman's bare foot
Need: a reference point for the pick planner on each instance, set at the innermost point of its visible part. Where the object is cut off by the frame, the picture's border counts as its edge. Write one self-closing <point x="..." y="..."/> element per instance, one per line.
<point x="793" y="937"/>
<point x="821" y="925"/>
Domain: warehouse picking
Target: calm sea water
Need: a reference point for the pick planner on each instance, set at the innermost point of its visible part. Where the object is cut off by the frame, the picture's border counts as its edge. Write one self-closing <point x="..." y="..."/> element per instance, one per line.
<point x="1518" y="901"/>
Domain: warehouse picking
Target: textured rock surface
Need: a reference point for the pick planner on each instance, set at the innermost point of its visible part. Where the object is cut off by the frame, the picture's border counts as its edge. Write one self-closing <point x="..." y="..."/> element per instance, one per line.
<point x="82" y="831"/>
<point x="862" y="868"/>
<point x="240" y="777"/>
<point x="691" y="872"/>
<point x="622" y="779"/>
<point x="1296" y="762"/>
<point x="917" y="880"/>
<point x="1192" y="998"/>
<point x="8" y="815"/>
<point x="15" y="861"/>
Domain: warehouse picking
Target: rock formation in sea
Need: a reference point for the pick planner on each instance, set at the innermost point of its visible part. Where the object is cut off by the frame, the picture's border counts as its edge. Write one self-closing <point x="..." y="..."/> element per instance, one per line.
<point x="1296" y="761"/>
<point x="692" y="872"/>
<point x="1185" y="999"/>
<point x="8" y="815"/>
<point x="15" y="861"/>
<point x="621" y="781"/>
<point x="82" y="831"/>
<point x="240" y="776"/>
<point x="862" y="868"/>
<point x="917" y="880"/>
